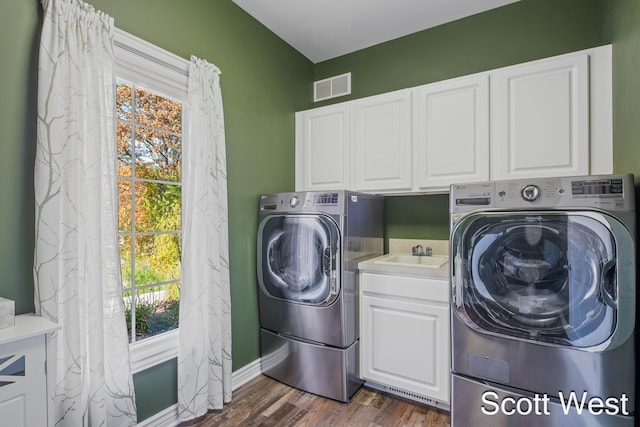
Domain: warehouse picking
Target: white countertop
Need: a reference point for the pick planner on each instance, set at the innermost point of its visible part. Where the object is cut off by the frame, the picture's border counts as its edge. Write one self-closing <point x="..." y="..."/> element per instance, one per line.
<point x="26" y="326"/>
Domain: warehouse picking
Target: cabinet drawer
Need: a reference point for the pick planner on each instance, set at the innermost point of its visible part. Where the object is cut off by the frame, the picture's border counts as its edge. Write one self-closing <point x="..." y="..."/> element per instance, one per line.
<point x="405" y="287"/>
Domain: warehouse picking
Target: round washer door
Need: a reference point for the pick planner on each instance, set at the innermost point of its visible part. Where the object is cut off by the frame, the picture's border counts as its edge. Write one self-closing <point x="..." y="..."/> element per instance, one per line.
<point x="298" y="258"/>
<point x="543" y="276"/>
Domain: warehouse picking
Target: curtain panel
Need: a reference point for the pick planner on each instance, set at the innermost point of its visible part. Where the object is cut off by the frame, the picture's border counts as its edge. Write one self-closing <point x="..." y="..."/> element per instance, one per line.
<point x="76" y="258"/>
<point x="204" y="357"/>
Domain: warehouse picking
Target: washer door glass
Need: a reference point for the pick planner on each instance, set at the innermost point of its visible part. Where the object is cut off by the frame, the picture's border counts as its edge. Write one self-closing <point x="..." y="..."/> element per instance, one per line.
<point x="546" y="277"/>
<point x="298" y="258"/>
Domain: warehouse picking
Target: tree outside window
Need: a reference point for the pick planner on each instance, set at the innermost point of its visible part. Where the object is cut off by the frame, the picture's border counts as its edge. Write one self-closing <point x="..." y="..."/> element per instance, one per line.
<point x="149" y="138"/>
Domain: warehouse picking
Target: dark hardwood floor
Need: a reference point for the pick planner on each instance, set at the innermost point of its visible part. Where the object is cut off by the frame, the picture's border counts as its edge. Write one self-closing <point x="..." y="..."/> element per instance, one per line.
<point x="265" y="402"/>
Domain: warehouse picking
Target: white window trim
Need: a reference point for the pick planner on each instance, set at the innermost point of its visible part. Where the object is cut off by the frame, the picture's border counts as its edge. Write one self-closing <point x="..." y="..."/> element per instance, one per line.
<point x="167" y="74"/>
<point x="162" y="71"/>
<point x="154" y="350"/>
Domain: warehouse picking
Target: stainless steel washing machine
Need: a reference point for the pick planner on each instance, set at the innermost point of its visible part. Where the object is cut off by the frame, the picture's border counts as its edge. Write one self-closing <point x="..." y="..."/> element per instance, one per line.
<point x="309" y="246"/>
<point x="543" y="302"/>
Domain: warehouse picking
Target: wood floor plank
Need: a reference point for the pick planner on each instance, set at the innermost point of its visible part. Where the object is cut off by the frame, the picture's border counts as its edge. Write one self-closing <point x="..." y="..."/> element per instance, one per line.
<point x="264" y="402"/>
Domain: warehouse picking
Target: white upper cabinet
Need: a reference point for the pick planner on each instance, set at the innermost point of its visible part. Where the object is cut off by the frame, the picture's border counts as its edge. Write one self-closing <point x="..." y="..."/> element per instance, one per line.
<point x="322" y="148"/>
<point x="382" y="142"/>
<point x="451" y="132"/>
<point x="545" y="118"/>
<point x="540" y="119"/>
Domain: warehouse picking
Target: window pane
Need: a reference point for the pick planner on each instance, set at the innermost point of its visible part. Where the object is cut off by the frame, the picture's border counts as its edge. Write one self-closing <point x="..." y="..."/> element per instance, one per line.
<point x="157" y="111"/>
<point x="125" y="262"/>
<point x="124" y="104"/>
<point x="157" y="258"/>
<point x="158" y="207"/>
<point x="149" y="138"/>
<point x="158" y="154"/>
<point x="125" y="153"/>
<point x="156" y="311"/>
<point x="124" y="205"/>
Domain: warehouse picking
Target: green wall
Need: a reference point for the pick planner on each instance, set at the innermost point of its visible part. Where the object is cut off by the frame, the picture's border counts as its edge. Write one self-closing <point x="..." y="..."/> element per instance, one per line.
<point x="19" y="33"/>
<point x="520" y="32"/>
<point x="621" y="24"/>
<point x="264" y="81"/>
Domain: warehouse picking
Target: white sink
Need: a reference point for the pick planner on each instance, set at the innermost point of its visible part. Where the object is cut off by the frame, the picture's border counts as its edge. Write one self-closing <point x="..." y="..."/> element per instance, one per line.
<point x="435" y="261"/>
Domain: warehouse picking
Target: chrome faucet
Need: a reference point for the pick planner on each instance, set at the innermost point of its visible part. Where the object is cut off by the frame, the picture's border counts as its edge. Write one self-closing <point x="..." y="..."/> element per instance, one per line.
<point x="418" y="250"/>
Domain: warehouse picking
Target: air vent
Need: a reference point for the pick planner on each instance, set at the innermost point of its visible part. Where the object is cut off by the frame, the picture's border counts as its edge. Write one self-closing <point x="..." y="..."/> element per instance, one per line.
<point x="332" y="87"/>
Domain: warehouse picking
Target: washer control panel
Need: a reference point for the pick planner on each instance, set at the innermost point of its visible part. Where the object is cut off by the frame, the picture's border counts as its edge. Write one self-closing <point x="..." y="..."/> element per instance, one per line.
<point x="610" y="192"/>
<point x="598" y="187"/>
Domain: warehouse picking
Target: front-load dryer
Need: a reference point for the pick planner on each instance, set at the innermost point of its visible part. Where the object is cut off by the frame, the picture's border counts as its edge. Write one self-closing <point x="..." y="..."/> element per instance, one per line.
<point x="543" y="302"/>
<point x="309" y="246"/>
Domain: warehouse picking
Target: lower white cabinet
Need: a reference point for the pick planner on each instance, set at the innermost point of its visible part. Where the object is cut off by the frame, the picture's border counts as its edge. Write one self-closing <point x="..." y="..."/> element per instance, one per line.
<point x="23" y="373"/>
<point x="404" y="335"/>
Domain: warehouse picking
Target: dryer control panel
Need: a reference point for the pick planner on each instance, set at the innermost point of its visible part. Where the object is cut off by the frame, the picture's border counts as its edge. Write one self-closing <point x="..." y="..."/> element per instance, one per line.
<point x="326" y="202"/>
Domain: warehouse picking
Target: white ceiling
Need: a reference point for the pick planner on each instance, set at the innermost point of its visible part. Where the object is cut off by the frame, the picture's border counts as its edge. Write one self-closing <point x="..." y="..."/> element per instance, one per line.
<point x="325" y="29"/>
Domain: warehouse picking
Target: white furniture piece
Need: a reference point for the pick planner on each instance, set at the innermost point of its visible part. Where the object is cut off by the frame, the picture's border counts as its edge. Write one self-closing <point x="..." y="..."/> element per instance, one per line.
<point x="25" y="380"/>
<point x="404" y="335"/>
<point x="550" y="117"/>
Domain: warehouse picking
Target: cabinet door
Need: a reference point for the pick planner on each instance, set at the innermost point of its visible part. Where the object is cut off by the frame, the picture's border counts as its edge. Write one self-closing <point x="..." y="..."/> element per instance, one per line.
<point x="404" y="346"/>
<point x="451" y="128"/>
<point x="382" y="142"/>
<point x="404" y="333"/>
<point x="540" y="119"/>
<point x="23" y="398"/>
<point x="322" y="148"/>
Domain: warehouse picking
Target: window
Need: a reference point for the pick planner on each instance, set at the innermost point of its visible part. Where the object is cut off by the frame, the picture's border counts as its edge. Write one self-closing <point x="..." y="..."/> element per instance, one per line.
<point x="151" y="90"/>
<point x="149" y="138"/>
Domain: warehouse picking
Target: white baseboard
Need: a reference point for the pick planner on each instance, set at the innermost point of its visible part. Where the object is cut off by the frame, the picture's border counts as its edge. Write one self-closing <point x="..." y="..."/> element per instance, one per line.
<point x="166" y="418"/>
<point x="245" y="374"/>
<point x="169" y="417"/>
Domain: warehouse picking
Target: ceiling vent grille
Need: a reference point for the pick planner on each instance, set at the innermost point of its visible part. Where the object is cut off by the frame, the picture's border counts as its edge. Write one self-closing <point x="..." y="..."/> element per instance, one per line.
<point x="332" y="87"/>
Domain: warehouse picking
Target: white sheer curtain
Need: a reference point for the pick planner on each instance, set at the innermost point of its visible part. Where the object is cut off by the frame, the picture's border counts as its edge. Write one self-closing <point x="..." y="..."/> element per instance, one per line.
<point x="76" y="259"/>
<point x="204" y="357"/>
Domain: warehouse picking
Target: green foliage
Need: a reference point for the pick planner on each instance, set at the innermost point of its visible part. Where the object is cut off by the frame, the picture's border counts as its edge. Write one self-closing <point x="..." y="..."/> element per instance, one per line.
<point x="144" y="317"/>
<point x="154" y="318"/>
